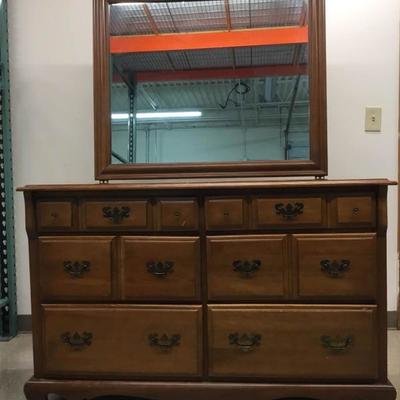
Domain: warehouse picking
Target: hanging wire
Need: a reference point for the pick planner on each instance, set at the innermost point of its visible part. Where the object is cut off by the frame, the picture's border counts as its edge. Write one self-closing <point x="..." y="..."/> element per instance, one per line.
<point x="240" y="89"/>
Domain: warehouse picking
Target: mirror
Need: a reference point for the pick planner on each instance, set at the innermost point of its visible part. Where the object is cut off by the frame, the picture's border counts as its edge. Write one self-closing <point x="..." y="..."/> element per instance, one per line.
<point x="209" y="88"/>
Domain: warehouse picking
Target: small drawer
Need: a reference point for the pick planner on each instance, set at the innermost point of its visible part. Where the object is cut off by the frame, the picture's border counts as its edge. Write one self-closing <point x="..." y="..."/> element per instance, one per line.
<point x="293" y="342"/>
<point x="178" y="215"/>
<point x="115" y="215"/>
<point x="295" y="211"/>
<point x="75" y="268"/>
<point x="247" y="267"/>
<point x="227" y="214"/>
<point x="160" y="268"/>
<point x="353" y="210"/>
<point x="122" y="341"/>
<point x="336" y="266"/>
<point x="54" y="215"/>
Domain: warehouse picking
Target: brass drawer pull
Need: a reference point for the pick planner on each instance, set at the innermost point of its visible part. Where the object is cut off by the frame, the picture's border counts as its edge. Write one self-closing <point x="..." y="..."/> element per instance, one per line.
<point x="164" y="341"/>
<point x="246" y="268"/>
<point x="338" y="343"/>
<point x="290" y="211"/>
<point x="76" y="269"/>
<point x="245" y="342"/>
<point x="160" y="269"/>
<point x="116" y="214"/>
<point x="77" y="341"/>
<point x="335" y="269"/>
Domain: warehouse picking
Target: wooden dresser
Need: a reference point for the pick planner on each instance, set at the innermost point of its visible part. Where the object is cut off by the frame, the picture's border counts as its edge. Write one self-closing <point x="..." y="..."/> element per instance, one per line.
<point x="209" y="290"/>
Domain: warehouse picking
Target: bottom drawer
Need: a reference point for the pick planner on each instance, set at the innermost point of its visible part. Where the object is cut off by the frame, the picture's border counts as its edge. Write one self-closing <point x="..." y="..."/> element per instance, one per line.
<point x="122" y="341"/>
<point x="293" y="342"/>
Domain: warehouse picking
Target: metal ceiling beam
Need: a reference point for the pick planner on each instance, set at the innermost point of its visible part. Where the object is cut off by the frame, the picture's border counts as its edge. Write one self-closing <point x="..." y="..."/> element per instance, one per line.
<point x="219" y="73"/>
<point x="208" y="40"/>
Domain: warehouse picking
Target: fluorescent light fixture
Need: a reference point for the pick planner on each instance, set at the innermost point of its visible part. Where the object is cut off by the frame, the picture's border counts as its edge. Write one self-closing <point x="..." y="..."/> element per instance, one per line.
<point x="169" y="114"/>
<point x="119" y="116"/>
<point x="159" y="115"/>
<point x="127" y="4"/>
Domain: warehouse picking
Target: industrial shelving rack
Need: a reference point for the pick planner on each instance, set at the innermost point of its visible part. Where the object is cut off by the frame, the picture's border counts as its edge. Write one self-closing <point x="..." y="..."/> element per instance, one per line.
<point x="8" y="301"/>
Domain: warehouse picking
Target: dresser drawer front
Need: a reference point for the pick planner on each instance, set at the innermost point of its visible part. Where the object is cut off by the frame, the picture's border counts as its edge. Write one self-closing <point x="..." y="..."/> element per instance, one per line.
<point x="115" y="215"/>
<point x="354" y="210"/>
<point x="178" y="215"/>
<point x="160" y="268"/>
<point x="295" y="211"/>
<point x="75" y="268"/>
<point x="54" y="215"/>
<point x="293" y="342"/>
<point x="117" y="341"/>
<point x="247" y="267"/>
<point x="336" y="266"/>
<point x="226" y="214"/>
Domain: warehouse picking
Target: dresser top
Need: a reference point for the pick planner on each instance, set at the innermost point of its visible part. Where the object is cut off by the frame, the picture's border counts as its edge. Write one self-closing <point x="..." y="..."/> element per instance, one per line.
<point x="182" y="184"/>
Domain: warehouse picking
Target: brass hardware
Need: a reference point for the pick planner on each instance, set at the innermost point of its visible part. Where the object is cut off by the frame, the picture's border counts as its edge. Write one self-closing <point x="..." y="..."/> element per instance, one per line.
<point x="244" y="342"/>
<point x="160" y="269"/>
<point x="356" y="210"/>
<point x="116" y="214"/>
<point x="164" y="342"/>
<point x="338" y="343"/>
<point x="77" y="341"/>
<point x="290" y="211"/>
<point x="335" y="269"/>
<point x="76" y="269"/>
<point x="246" y="268"/>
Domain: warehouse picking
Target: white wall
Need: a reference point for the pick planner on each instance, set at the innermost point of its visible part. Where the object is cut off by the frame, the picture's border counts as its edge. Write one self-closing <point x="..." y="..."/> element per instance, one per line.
<point x="363" y="70"/>
<point x="52" y="106"/>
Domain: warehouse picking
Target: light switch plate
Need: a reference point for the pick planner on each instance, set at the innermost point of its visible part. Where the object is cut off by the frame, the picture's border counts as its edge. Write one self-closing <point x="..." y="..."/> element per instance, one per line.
<point x="373" y="119"/>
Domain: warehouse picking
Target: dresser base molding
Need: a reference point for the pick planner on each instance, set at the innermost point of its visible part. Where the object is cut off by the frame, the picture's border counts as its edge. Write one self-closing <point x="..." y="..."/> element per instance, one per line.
<point x="39" y="389"/>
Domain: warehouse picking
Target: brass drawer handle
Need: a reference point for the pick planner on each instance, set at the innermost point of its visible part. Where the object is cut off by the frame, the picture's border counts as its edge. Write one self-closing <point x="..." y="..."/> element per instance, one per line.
<point x="164" y="342"/>
<point x="116" y="214"/>
<point x="335" y="269"/>
<point x="160" y="269"/>
<point x="76" y="269"/>
<point x="246" y="268"/>
<point x="338" y="343"/>
<point x="77" y="341"/>
<point x="245" y="342"/>
<point x="290" y="211"/>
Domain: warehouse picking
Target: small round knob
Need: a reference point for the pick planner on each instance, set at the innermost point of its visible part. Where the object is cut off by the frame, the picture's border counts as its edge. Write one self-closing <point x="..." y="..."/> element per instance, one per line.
<point x="226" y="213"/>
<point x="177" y="214"/>
<point x="356" y="210"/>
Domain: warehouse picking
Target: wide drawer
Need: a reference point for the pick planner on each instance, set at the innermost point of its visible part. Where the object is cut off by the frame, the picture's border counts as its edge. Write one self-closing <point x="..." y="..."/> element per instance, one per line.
<point x="164" y="268"/>
<point x="75" y="268"/>
<point x="115" y="215"/>
<point x="117" y="341"/>
<point x="247" y="267"/>
<point x="288" y="211"/>
<point x="293" y="342"/>
<point x="336" y="266"/>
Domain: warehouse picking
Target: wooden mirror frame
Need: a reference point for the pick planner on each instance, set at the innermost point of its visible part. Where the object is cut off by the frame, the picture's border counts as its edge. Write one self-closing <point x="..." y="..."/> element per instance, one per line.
<point x="316" y="166"/>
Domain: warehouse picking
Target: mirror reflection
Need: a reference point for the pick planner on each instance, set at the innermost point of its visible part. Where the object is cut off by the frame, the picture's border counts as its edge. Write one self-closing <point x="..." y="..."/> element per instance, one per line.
<point x="209" y="81"/>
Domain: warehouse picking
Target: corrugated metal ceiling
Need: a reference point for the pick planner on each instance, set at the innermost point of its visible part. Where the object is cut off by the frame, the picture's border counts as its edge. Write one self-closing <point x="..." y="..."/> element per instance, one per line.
<point x="197" y="16"/>
<point x="213" y="58"/>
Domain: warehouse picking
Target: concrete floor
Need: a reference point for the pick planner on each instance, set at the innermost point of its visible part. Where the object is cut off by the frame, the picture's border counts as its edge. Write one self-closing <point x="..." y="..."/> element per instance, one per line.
<point x="16" y="365"/>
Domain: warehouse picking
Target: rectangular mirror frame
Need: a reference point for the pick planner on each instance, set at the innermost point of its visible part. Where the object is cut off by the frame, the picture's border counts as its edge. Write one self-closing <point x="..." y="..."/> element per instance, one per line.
<point x="316" y="166"/>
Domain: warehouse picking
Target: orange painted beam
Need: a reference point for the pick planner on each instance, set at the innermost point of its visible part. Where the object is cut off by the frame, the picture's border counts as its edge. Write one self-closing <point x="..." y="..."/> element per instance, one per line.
<point x="208" y="40"/>
<point x="221" y="73"/>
